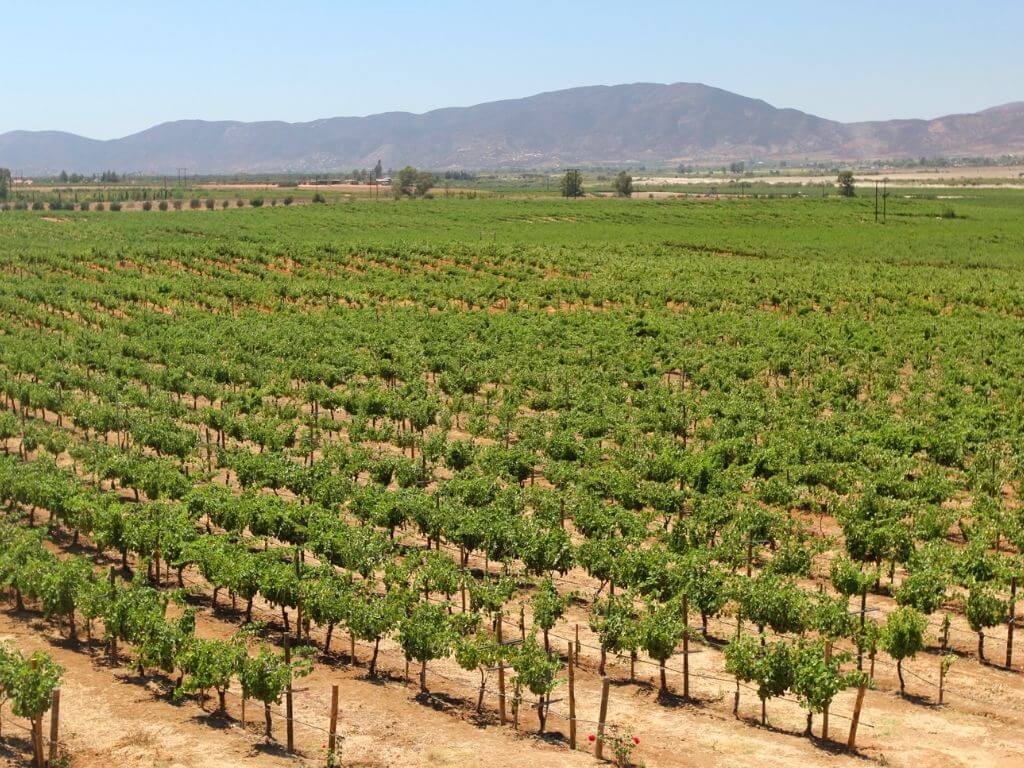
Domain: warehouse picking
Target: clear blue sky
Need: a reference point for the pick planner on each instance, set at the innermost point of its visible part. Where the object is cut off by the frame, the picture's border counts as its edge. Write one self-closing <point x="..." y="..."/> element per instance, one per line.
<point x="106" y="69"/>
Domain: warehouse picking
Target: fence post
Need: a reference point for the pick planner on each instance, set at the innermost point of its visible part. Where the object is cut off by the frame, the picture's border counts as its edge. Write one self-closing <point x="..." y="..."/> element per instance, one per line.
<point x="332" y="739"/>
<point x="501" y="679"/>
<point x="851" y="743"/>
<point x="599" y="747"/>
<point x="288" y="694"/>
<point x="572" y="700"/>
<point x="54" y="725"/>
<point x="577" y="644"/>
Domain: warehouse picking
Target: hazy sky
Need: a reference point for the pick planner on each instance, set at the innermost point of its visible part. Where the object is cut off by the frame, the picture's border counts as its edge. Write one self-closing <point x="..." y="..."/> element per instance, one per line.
<point x="106" y="69"/>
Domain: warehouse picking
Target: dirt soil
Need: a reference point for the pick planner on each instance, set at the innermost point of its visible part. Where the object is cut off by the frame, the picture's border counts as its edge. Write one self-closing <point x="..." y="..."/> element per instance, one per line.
<point x="112" y="717"/>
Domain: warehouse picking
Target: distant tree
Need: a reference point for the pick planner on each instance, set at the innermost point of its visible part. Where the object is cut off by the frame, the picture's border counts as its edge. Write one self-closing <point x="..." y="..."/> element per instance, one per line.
<point x="5" y="183"/>
<point x="623" y="184"/>
<point x="413" y="182"/>
<point x="378" y="170"/>
<point x="737" y="167"/>
<point x="63" y="178"/>
<point x="572" y="184"/>
<point x="845" y="182"/>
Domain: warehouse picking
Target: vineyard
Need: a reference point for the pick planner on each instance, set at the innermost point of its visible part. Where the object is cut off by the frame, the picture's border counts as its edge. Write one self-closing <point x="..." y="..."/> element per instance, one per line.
<point x="516" y="482"/>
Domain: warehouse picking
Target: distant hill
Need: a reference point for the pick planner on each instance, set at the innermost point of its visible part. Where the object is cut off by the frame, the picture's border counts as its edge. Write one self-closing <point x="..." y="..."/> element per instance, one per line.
<point x="643" y="123"/>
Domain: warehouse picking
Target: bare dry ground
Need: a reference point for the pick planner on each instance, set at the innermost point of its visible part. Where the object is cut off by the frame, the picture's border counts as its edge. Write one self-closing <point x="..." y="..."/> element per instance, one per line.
<point x="1001" y="177"/>
<point x="112" y="717"/>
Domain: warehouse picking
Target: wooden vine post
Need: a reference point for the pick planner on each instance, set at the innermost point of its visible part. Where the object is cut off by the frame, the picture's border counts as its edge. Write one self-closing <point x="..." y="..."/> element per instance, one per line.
<point x="1011" y="621"/>
<point x="298" y="603"/>
<point x="288" y="708"/>
<point x="502" y="713"/>
<point x="824" y="710"/>
<point x="851" y="742"/>
<point x="572" y="699"/>
<point x="686" y="647"/>
<point x="944" y="664"/>
<point x="37" y="735"/>
<point x="942" y="679"/>
<point x="112" y="577"/>
<point x="599" y="746"/>
<point x="578" y="644"/>
<point x="332" y="738"/>
<point x="54" y="726"/>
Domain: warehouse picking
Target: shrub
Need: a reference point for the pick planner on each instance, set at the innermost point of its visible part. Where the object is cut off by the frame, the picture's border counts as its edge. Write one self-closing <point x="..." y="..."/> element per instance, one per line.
<point x="256" y="202"/>
<point x="846" y="184"/>
<point x="224" y="204"/>
<point x="115" y="206"/>
<point x="147" y="206"/>
<point x="55" y="205"/>
<point x="949" y="213"/>
<point x="210" y="203"/>
<point x="100" y="206"/>
<point x="193" y="203"/>
<point x="289" y="200"/>
<point x="319" y="198"/>
<point x="163" y="205"/>
<point x="38" y="206"/>
<point x="177" y="205"/>
<point x="239" y="202"/>
<point x="623" y="185"/>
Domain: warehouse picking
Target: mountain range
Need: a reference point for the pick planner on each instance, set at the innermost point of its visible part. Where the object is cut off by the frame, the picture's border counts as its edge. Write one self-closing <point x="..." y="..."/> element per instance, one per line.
<point x="638" y="124"/>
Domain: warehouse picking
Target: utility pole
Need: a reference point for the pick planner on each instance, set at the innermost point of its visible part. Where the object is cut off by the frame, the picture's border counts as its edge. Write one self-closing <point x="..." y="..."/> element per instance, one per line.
<point x="885" y="199"/>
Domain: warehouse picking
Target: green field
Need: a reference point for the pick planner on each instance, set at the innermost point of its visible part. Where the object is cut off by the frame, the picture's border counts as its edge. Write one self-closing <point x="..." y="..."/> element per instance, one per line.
<point x="737" y="402"/>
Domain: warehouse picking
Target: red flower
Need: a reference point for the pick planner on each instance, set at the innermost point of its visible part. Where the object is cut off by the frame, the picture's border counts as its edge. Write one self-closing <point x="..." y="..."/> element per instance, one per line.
<point x="636" y="740"/>
<point x="591" y="737"/>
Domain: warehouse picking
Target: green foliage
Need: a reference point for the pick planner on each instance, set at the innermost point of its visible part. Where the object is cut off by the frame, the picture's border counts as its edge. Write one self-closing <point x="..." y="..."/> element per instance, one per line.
<point x="426" y="634"/>
<point x="902" y="636"/>
<point x="211" y="664"/>
<point x="28" y="682"/>
<point x="660" y="631"/>
<point x="548" y="606"/>
<point x="413" y="183"/>
<point x="769" y="601"/>
<point x="845" y="182"/>
<point x="769" y="666"/>
<point x="623" y="184"/>
<point x="815" y="680"/>
<point x="572" y="184"/>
